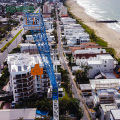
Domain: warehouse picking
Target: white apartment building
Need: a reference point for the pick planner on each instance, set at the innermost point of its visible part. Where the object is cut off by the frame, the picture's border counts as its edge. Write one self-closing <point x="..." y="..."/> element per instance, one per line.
<point x="27" y="46"/>
<point x="47" y="8"/>
<point x="50" y="38"/>
<point x="79" y="54"/>
<point x="77" y="38"/>
<point x="63" y="10"/>
<point x="105" y="111"/>
<point x="115" y="114"/>
<point x="104" y="63"/>
<point x="67" y="20"/>
<point x="22" y="83"/>
<point x="48" y="24"/>
<point x="29" y="37"/>
<point x="72" y="30"/>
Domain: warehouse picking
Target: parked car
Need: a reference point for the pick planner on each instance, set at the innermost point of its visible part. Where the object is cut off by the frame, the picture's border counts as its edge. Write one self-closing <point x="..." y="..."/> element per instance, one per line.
<point x="13" y="104"/>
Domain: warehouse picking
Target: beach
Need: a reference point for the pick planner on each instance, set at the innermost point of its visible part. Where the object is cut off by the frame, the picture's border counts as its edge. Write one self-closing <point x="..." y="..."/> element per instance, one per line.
<point x="101" y="29"/>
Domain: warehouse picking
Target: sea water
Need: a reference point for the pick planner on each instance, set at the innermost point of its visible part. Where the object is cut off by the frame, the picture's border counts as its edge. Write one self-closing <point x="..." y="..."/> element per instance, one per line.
<point x="103" y="10"/>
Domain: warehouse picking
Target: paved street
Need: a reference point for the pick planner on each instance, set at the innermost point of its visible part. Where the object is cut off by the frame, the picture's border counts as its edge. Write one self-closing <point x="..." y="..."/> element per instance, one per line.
<point x="11" y="46"/>
<point x="65" y="66"/>
<point x="14" y="44"/>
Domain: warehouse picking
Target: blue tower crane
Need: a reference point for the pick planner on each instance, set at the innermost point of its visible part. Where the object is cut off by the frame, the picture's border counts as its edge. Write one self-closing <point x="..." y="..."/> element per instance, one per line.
<point x="34" y="22"/>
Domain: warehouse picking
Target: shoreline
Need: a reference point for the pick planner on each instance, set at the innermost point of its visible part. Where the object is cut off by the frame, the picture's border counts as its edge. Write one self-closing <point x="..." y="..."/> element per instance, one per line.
<point x="109" y="35"/>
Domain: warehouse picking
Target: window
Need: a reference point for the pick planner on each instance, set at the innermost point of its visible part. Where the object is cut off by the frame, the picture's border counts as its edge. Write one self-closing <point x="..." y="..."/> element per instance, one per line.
<point x="104" y="65"/>
<point x="23" y="75"/>
<point x="38" y="89"/>
<point x="18" y="76"/>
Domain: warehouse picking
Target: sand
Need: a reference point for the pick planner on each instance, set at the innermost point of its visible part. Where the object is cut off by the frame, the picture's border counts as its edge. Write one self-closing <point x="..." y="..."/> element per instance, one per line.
<point x="101" y="29"/>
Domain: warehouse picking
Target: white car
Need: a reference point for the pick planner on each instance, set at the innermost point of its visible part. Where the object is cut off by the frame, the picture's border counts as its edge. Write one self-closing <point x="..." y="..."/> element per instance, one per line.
<point x="13" y="104"/>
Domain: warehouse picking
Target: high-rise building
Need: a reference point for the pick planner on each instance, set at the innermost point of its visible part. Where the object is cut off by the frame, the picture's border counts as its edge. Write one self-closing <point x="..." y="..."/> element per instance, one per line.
<point x="63" y="10"/>
<point x="22" y="83"/>
<point x="47" y="8"/>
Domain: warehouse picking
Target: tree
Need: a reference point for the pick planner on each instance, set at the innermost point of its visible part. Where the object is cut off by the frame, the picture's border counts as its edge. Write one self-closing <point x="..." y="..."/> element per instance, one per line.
<point x="55" y="35"/>
<point x="71" y="105"/>
<point x="63" y="117"/>
<point x="9" y="23"/>
<point x="82" y="75"/>
<point x="75" y="109"/>
<point x="55" y="25"/>
<point x="63" y="105"/>
<point x="65" y="41"/>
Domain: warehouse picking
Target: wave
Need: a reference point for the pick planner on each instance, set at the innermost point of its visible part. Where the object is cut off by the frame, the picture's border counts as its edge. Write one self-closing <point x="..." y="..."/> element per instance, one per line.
<point x="114" y="26"/>
<point x="98" y="13"/>
<point x="91" y="9"/>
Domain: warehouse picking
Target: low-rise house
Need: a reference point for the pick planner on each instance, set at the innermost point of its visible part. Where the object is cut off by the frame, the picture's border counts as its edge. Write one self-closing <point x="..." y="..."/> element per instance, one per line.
<point x="105" y="91"/>
<point x="71" y="31"/>
<point x="101" y="63"/>
<point x="29" y="38"/>
<point x="106" y="96"/>
<point x="63" y="10"/>
<point x="50" y="37"/>
<point x="86" y="89"/>
<point x="85" y="46"/>
<point x="16" y="114"/>
<point x="105" y="111"/>
<point x="28" y="48"/>
<point x="77" y="39"/>
<point x="98" y="84"/>
<point x="115" y="114"/>
<point x="68" y="20"/>
<point x="88" y="53"/>
<point x="48" y="24"/>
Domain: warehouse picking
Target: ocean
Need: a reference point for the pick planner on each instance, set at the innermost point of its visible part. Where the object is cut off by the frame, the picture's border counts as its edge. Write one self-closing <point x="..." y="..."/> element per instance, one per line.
<point x="103" y="10"/>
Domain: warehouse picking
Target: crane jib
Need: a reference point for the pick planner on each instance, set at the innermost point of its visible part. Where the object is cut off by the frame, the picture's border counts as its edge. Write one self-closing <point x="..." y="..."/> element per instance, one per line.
<point x="34" y="23"/>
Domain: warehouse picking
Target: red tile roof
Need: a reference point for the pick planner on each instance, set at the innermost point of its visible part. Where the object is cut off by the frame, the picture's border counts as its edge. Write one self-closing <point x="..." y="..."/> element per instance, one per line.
<point x="85" y="45"/>
<point x="64" y="15"/>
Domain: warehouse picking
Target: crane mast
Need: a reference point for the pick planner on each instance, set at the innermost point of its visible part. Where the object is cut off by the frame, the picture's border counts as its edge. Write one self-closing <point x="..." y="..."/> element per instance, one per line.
<point x="34" y="22"/>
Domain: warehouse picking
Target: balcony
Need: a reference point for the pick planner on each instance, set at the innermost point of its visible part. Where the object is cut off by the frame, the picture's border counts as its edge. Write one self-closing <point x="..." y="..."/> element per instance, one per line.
<point x="45" y="86"/>
<point x="23" y="86"/>
<point x="22" y="91"/>
<point x="22" y="77"/>
<point x="28" y="85"/>
<point x="18" y="86"/>
<point x="24" y="81"/>
<point x="29" y="94"/>
<point x="46" y="81"/>
<point x="25" y="95"/>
